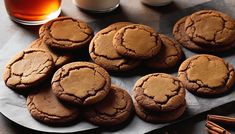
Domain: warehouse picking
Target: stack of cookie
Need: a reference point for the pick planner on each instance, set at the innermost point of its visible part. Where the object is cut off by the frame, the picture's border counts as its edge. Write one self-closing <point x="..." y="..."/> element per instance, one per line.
<point x="121" y="46"/>
<point x="62" y="35"/>
<point x="159" y="97"/>
<point x="38" y="60"/>
<point x="89" y="85"/>
<point x="206" y="31"/>
<point x="74" y="86"/>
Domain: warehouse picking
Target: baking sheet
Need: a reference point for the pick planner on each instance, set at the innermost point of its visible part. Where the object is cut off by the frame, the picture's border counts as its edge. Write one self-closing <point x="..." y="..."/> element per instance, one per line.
<point x="13" y="105"/>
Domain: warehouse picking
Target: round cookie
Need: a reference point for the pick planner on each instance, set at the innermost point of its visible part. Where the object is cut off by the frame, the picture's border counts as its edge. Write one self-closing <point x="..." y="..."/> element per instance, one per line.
<point x="169" y="55"/>
<point x="210" y="27"/>
<point x="185" y="41"/>
<point x="115" y="109"/>
<point x="159" y="92"/>
<point x="45" y="107"/>
<point x="28" y="69"/>
<point x="159" y="117"/>
<point x="104" y="54"/>
<point x="81" y="83"/>
<point x="206" y="75"/>
<point x="66" y="33"/>
<point x="58" y="58"/>
<point x="137" y="41"/>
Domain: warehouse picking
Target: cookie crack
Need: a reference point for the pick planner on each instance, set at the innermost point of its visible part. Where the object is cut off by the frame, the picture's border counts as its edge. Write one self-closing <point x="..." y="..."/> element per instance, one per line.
<point x="125" y="61"/>
<point x="49" y="28"/>
<point x="168" y="96"/>
<point x="67" y="74"/>
<point x="197" y="82"/>
<point x="118" y="111"/>
<point x="104" y="56"/>
<point x="38" y="71"/>
<point x="213" y="41"/>
<point x="22" y="75"/>
<point x="128" y="49"/>
<point x="134" y="27"/>
<point x="45" y="115"/>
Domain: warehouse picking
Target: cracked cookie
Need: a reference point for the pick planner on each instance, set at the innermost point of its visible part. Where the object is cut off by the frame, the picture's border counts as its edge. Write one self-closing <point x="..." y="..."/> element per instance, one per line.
<point x="137" y="41"/>
<point x="185" y="41"/>
<point x="159" y="92"/>
<point x="159" y="117"/>
<point x="206" y="75"/>
<point x="81" y="83"/>
<point x="210" y="27"/>
<point x="45" y="107"/>
<point x="58" y="58"/>
<point x="116" y="108"/>
<point x="104" y="54"/>
<point x="28" y="69"/>
<point x="169" y="55"/>
<point x="66" y="33"/>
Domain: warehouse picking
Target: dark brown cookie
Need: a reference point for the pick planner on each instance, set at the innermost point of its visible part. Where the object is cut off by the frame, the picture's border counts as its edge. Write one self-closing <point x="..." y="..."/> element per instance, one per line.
<point x="116" y="108"/>
<point x="210" y="27"/>
<point x="44" y="106"/>
<point x="66" y="33"/>
<point x="206" y="75"/>
<point x="137" y="41"/>
<point x="58" y="58"/>
<point x="169" y="55"/>
<point x="159" y="92"/>
<point x="81" y="83"/>
<point x="159" y="117"/>
<point x="185" y="41"/>
<point x="104" y="54"/>
<point x="28" y="69"/>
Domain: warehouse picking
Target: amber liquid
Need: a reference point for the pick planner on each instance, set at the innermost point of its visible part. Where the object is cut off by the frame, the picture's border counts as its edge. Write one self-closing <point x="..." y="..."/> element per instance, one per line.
<point x="32" y="10"/>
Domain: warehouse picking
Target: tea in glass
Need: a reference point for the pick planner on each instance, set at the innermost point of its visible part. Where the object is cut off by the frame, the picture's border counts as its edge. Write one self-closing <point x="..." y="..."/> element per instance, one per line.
<point x="33" y="12"/>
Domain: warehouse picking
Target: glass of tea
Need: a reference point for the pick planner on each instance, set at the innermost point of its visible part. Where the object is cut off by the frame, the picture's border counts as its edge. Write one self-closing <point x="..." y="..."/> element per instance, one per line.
<point x="33" y="12"/>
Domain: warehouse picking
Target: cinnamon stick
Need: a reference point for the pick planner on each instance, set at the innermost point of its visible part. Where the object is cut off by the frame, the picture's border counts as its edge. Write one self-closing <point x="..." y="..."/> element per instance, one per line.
<point x="212" y="131"/>
<point x="213" y="128"/>
<point x="221" y="119"/>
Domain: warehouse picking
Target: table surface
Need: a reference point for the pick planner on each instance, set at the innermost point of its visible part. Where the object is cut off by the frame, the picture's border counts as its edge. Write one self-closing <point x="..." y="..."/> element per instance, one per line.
<point x="133" y="10"/>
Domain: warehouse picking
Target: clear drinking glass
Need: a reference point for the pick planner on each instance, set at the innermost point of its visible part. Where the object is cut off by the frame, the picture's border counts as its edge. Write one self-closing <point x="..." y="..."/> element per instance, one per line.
<point x="97" y="6"/>
<point x="33" y="12"/>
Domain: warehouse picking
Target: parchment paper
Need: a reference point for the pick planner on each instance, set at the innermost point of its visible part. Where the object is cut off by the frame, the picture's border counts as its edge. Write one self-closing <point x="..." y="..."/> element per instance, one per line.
<point x="13" y="105"/>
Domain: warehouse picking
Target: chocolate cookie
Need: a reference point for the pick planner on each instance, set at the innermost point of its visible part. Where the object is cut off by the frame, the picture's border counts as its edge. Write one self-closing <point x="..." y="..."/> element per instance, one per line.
<point x="159" y="92"/>
<point x="66" y="33"/>
<point x="104" y="54"/>
<point x="58" y="58"/>
<point x="169" y="55"/>
<point x="137" y="41"/>
<point x="81" y="83"/>
<point x="28" y="69"/>
<point x="206" y="75"/>
<point x="44" y="106"/>
<point x="185" y="41"/>
<point x="114" y="109"/>
<point x="159" y="117"/>
<point x="210" y="27"/>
